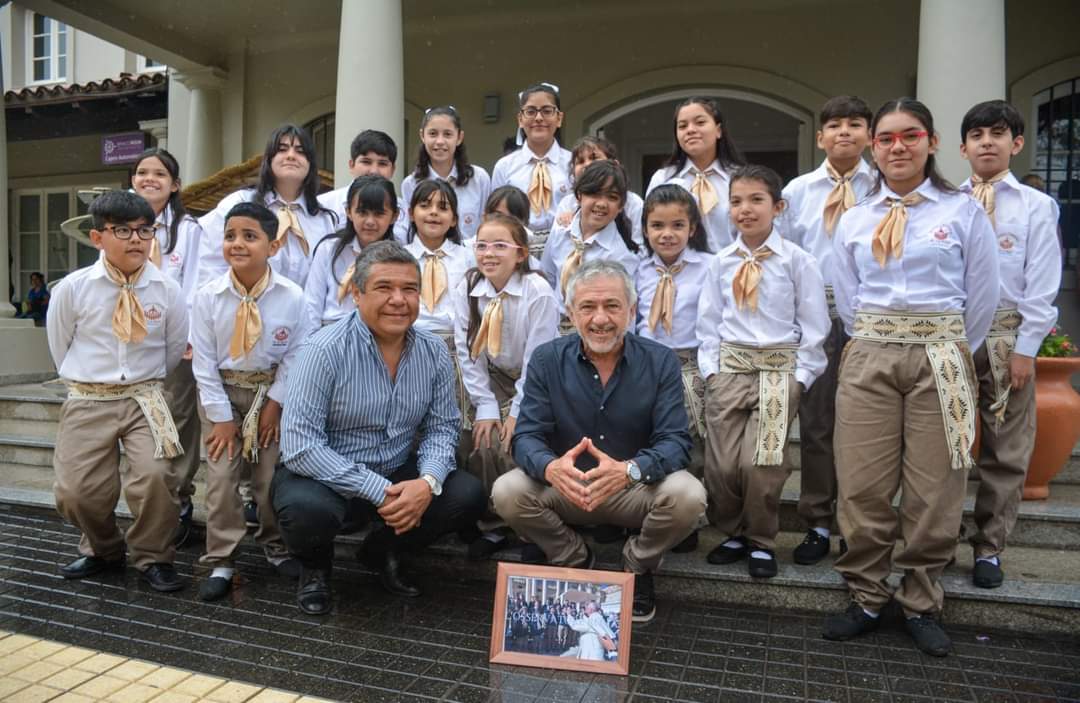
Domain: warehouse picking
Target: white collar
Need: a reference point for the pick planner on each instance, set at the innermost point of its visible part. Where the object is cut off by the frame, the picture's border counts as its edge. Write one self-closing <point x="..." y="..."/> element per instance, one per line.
<point x="690" y="168"/>
<point x="484" y="288"/>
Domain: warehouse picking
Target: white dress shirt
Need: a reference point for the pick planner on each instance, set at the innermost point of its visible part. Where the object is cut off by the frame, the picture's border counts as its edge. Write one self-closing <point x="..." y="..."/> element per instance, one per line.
<point x="530" y="318"/>
<point x="290" y="260"/>
<point x="182" y="263"/>
<point x="321" y="304"/>
<point x="688" y="287"/>
<point x="1029" y="257"/>
<point x="949" y="262"/>
<point x="471" y="197"/>
<point x="337" y="202"/>
<point x="803" y="220"/>
<point x="81" y="339"/>
<point x="791" y="308"/>
<point x="633" y="208"/>
<point x="281" y="307"/>
<point x="717" y="222"/>
<point x="457" y="261"/>
<point x="606" y="244"/>
<point x="516" y="169"/>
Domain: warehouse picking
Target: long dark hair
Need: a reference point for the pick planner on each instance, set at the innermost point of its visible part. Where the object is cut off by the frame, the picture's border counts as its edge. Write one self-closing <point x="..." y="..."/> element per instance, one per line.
<point x="310" y="188"/>
<point x="371" y="192"/>
<point x="600" y="177"/>
<point x="473" y="275"/>
<point x="461" y="159"/>
<point x="727" y="153"/>
<point x="590" y="143"/>
<point x="516" y="202"/>
<point x="671" y="194"/>
<point x="922" y="113"/>
<point x="540" y="88"/>
<point x="432" y="188"/>
<point x="175" y="202"/>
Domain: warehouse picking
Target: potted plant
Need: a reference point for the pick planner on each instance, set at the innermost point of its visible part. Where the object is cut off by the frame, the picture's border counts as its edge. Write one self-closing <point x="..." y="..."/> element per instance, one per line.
<point x="1057" y="413"/>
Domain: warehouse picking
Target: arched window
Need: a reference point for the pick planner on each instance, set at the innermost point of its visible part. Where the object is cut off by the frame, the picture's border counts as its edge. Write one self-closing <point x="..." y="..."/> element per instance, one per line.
<point x="321" y="130"/>
<point x="1057" y="155"/>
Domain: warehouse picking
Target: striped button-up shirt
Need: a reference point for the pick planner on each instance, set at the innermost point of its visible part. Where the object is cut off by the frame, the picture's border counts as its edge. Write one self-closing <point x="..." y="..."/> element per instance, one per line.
<point x="347" y="424"/>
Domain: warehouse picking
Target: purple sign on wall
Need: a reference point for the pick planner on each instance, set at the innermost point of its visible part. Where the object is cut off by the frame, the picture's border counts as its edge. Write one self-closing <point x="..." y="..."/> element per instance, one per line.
<point x="122" y="148"/>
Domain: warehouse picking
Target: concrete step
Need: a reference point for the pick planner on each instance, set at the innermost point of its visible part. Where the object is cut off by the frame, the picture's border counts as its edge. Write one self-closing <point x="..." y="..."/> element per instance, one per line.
<point x="1041" y="593"/>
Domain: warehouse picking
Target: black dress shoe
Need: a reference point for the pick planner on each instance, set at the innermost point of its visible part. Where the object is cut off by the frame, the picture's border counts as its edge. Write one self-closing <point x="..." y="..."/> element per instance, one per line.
<point x="723" y="554"/>
<point x="313" y="596"/>
<point x="851" y="623"/>
<point x="813" y="549"/>
<point x="928" y="635"/>
<point x="214" y="588"/>
<point x="532" y="554"/>
<point x="162" y="577"/>
<point x="762" y="568"/>
<point x="183" y="528"/>
<point x="392" y="579"/>
<point x="483" y="548"/>
<point x="687" y="545"/>
<point x="987" y="574"/>
<point x="88" y="566"/>
<point x="644" y="598"/>
<point x="251" y="513"/>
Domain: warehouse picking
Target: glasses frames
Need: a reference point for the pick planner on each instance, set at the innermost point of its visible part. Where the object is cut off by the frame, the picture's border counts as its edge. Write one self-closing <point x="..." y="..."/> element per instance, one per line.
<point x="500" y="248"/>
<point x="123" y="232"/>
<point x="908" y="139"/>
<point x="547" y="112"/>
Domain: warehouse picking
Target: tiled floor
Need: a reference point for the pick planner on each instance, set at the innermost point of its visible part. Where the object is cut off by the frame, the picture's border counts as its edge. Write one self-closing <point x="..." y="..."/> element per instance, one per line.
<point x="378" y="648"/>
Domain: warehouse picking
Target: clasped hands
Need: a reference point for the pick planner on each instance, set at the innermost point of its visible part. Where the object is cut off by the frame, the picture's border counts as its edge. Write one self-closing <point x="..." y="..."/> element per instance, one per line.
<point x="589" y="490"/>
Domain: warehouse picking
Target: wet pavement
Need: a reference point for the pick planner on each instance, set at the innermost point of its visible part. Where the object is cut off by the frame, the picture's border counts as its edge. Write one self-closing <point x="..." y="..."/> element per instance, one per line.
<point x="375" y="647"/>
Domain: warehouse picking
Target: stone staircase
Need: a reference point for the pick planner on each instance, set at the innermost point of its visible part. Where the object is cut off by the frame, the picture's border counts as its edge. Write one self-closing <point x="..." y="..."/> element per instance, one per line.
<point x="1042" y="565"/>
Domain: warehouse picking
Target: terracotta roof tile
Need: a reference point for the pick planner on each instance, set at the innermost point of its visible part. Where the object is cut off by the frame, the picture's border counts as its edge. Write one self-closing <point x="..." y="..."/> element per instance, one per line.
<point x="126" y="84"/>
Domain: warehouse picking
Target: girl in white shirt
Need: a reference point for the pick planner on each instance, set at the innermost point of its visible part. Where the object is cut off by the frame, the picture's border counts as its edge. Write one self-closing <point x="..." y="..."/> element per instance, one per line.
<point x="442" y="155"/>
<point x="435" y="241"/>
<point x="288" y="185"/>
<point x="701" y="160"/>
<point x="587" y="150"/>
<point x="504" y="310"/>
<point x="916" y="284"/>
<point x="669" y="282"/>
<point x="370" y="216"/>
<point x="539" y="168"/>
<point x="762" y="323"/>
<point x="600" y="229"/>
<point x="175" y="250"/>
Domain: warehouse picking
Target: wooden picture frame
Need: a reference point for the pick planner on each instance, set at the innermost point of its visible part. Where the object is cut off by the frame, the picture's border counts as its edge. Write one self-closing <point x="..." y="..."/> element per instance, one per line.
<point x="564" y="620"/>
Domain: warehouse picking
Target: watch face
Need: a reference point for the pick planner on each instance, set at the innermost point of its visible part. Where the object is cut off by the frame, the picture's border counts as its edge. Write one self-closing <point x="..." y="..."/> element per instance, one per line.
<point x="635" y="472"/>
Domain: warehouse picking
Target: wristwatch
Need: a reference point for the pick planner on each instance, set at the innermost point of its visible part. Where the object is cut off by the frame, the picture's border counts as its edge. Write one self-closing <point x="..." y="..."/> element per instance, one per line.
<point x="436" y="487"/>
<point x="633" y="472"/>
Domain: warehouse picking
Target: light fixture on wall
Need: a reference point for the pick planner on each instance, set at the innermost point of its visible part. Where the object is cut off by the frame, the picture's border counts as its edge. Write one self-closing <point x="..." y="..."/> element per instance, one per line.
<point x="491" y="107"/>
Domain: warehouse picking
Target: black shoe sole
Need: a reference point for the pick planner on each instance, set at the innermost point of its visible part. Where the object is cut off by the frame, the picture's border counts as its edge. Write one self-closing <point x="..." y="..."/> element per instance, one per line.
<point x="322" y="611"/>
<point x="643" y="618"/>
<point x="804" y="561"/>
<point x="729" y="556"/>
<point x="111" y="566"/>
<point x="983" y="583"/>
<point x="164" y="587"/>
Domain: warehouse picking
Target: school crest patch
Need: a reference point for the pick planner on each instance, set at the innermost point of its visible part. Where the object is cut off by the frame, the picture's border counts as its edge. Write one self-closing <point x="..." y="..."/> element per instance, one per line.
<point x="175" y="259"/>
<point x="281" y="337"/>
<point x="153" y="313"/>
<point x="1006" y="242"/>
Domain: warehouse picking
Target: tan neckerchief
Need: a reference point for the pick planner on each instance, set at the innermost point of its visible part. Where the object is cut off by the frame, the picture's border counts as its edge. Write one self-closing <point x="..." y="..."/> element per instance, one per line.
<point x="289" y="222"/>
<point x="540" y="188"/>
<point x="889" y="234"/>
<point x="433" y="280"/>
<point x="663" y="304"/>
<point x="982" y="189"/>
<point x="247" y="327"/>
<point x="744" y="287"/>
<point x="489" y="335"/>
<point x="703" y="191"/>
<point x="841" y="198"/>
<point x="128" y="321"/>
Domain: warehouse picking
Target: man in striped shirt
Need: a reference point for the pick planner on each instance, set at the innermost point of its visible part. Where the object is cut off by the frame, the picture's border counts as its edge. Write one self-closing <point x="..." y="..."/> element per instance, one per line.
<point x="369" y="430"/>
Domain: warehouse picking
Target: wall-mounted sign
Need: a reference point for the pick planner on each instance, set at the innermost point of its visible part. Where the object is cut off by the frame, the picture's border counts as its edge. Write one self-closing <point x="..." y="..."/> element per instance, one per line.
<point x="122" y="148"/>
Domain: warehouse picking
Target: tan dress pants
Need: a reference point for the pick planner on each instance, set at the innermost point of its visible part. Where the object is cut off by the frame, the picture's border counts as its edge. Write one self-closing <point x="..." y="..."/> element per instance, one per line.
<point x="89" y="481"/>
<point x="225" y="525"/>
<point x="817" y="417"/>
<point x="744" y="498"/>
<point x="890" y="436"/>
<point x="1004" y="454"/>
<point x="666" y="511"/>
<point x="183" y="400"/>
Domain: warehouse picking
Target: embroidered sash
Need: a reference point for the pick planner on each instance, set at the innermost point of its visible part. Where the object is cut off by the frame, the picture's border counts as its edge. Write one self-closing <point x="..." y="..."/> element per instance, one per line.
<point x="1000" y="344"/>
<point x="260" y="382"/>
<point x="151" y="399"/>
<point x="774" y="366"/>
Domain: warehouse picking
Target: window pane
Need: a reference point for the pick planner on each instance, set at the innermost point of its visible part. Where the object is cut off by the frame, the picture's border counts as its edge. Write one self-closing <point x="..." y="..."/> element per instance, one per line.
<point x="41" y="47"/>
<point x="41" y="70"/>
<point x="58" y="252"/>
<point x="61" y="65"/>
<point x="86" y="255"/>
<point x="61" y="43"/>
<point x="29" y="254"/>
<point x="41" y="23"/>
<point x="56" y="206"/>
<point x="29" y="215"/>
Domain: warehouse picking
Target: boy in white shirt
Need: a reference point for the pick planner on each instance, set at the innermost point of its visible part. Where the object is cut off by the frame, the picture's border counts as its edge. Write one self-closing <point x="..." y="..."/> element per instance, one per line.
<point x="116" y="329"/>
<point x="815" y="202"/>
<point x="246" y="327"/>
<point x="375" y="152"/>
<point x="1025" y="221"/>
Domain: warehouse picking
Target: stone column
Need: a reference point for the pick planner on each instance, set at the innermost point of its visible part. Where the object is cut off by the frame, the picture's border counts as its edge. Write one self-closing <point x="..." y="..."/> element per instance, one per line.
<point x="158" y="129"/>
<point x="371" y="36"/>
<point x="203" y="157"/>
<point x="961" y="62"/>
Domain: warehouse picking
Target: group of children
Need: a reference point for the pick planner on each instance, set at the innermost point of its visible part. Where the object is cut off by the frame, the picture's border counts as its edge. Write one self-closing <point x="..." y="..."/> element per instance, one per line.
<point x="857" y="298"/>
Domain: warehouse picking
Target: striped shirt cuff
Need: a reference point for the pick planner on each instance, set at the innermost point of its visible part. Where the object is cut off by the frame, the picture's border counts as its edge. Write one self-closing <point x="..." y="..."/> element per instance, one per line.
<point x="373" y="488"/>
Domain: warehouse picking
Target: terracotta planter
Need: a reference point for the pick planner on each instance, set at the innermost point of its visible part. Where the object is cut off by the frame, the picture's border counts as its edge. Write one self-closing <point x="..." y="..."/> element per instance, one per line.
<point x="1057" y="422"/>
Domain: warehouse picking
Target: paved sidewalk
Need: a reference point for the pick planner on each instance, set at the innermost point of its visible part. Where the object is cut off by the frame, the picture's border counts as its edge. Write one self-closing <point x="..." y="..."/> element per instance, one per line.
<point x="378" y="648"/>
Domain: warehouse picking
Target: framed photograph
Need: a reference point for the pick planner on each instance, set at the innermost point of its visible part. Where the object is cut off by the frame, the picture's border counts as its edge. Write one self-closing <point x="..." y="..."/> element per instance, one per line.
<point x="560" y="618"/>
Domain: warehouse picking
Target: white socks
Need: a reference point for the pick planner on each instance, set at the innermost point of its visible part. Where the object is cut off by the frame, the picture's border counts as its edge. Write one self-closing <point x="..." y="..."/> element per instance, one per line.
<point x="993" y="560"/>
<point x="823" y="531"/>
<point x="870" y="614"/>
<point x="222" y="572"/>
<point x="734" y="544"/>
<point x="758" y="554"/>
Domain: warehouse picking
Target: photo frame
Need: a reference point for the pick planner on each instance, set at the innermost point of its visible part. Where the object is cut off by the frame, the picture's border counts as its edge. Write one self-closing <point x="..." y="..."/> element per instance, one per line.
<point x="562" y="618"/>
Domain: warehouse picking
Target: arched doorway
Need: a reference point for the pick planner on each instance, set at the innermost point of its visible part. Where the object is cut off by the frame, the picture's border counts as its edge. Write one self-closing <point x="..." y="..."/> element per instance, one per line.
<point x="766" y="131"/>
